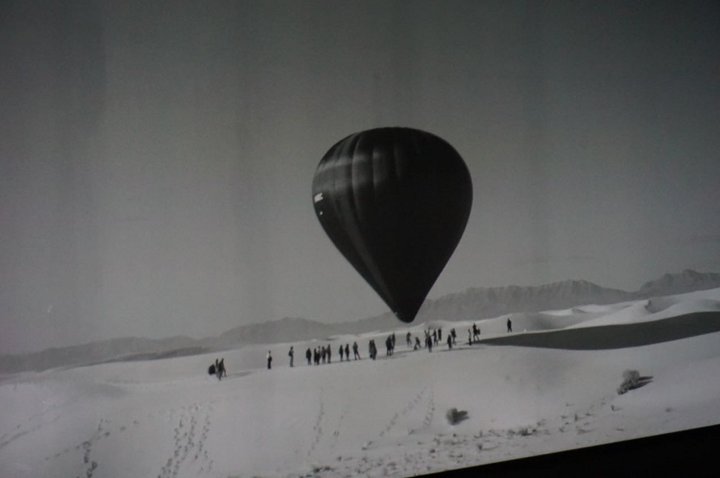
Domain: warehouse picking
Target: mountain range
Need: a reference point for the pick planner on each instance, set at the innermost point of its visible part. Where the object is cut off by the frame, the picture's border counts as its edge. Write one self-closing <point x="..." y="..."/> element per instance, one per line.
<point x="472" y="304"/>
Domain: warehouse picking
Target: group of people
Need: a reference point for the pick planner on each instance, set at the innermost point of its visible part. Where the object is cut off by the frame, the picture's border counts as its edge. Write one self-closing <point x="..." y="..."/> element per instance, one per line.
<point x="323" y="353"/>
<point x="218" y="369"/>
<point x="433" y="337"/>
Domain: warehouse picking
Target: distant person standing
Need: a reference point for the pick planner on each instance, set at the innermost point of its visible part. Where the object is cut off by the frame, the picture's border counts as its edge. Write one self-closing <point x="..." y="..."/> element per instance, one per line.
<point x="347" y="352"/>
<point x="372" y="349"/>
<point x="308" y="356"/>
<point x="509" y="325"/>
<point x="449" y="342"/>
<point x="342" y="352"/>
<point x="269" y="360"/>
<point x="221" y="368"/>
<point x="356" y="353"/>
<point x="291" y="354"/>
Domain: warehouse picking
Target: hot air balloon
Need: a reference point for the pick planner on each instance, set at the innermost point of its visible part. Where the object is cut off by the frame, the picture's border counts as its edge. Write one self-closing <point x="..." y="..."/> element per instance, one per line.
<point x="395" y="202"/>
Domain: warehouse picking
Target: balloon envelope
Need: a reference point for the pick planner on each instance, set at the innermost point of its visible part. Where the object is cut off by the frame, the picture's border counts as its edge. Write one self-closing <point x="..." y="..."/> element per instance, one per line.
<point x="395" y="202"/>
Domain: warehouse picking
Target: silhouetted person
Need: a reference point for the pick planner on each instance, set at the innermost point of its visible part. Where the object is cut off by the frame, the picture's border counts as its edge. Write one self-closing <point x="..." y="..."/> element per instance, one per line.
<point x="342" y="352"/>
<point x="509" y="325"/>
<point x="221" y="369"/>
<point x="347" y="352"/>
<point x="449" y="342"/>
<point x="308" y="356"/>
<point x="356" y="353"/>
<point x="417" y="344"/>
<point x="291" y="354"/>
<point x="269" y="360"/>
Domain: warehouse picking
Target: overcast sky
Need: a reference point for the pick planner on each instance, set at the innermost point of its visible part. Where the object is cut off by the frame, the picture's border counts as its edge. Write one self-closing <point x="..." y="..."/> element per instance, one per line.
<point x="156" y="158"/>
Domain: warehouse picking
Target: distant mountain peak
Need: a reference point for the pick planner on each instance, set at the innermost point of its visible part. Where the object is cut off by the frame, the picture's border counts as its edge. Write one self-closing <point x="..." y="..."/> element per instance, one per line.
<point x="685" y="281"/>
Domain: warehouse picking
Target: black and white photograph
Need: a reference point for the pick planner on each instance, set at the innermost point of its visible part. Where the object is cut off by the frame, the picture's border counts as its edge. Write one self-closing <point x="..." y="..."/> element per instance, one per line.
<point x="358" y="238"/>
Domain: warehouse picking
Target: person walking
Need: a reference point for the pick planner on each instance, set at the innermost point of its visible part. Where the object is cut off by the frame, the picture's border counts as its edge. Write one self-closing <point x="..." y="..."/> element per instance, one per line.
<point x="509" y="325"/>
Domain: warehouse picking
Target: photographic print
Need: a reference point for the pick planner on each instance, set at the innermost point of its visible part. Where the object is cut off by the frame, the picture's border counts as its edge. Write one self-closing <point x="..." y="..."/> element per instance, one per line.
<point x="353" y="238"/>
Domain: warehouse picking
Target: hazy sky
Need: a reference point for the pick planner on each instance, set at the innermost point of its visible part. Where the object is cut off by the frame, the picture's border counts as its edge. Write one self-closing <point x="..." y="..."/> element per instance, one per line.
<point x="156" y="158"/>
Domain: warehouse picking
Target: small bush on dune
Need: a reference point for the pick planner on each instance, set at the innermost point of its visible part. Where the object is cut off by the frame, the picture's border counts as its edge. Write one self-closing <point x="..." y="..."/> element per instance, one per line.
<point x="455" y="416"/>
<point x="631" y="380"/>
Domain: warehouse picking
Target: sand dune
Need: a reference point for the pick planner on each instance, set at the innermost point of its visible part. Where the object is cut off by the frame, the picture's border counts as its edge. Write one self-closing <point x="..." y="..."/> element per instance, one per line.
<point x="617" y="336"/>
<point x="542" y="391"/>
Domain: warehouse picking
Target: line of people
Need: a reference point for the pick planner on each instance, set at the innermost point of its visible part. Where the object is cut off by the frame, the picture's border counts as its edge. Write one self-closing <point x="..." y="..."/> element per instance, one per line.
<point x="323" y="354"/>
<point x="433" y="337"/>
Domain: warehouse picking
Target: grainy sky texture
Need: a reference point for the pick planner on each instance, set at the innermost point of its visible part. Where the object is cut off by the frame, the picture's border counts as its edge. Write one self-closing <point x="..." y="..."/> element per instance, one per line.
<point x="156" y="158"/>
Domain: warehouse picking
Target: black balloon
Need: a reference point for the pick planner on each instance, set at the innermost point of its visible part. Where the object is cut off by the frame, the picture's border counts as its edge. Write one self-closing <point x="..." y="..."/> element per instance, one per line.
<point x="395" y="202"/>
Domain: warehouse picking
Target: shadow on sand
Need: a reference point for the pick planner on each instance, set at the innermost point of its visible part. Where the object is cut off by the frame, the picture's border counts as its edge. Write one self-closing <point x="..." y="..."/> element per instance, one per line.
<point x="617" y="336"/>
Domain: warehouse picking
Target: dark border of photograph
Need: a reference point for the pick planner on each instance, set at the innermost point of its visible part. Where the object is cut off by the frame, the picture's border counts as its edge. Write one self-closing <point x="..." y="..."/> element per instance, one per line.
<point x="687" y="453"/>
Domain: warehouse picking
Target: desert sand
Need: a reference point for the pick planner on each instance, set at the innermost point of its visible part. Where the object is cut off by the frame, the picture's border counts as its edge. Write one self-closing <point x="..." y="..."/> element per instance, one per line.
<point x="550" y="385"/>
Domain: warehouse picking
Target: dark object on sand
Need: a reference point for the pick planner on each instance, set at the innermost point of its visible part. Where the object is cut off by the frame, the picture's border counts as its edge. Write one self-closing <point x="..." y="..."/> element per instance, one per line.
<point x="455" y="416"/>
